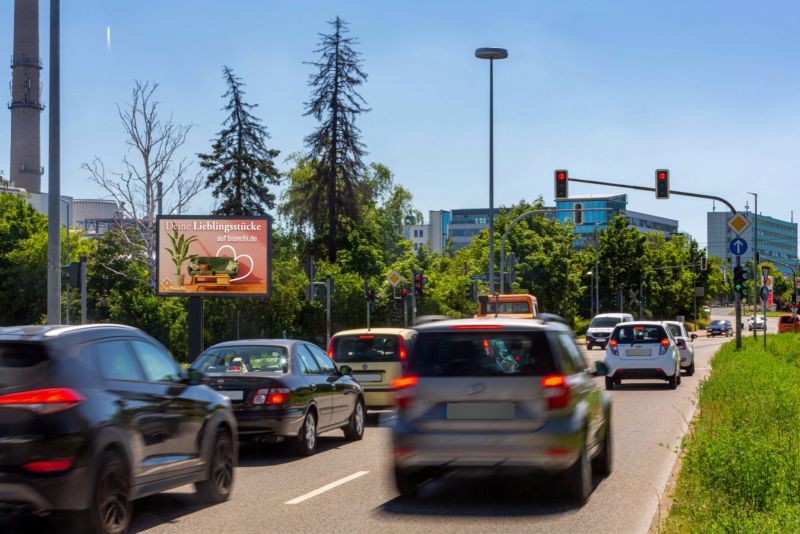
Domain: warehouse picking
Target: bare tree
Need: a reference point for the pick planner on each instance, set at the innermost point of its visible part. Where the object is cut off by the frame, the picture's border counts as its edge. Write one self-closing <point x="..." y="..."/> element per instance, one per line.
<point x="151" y="159"/>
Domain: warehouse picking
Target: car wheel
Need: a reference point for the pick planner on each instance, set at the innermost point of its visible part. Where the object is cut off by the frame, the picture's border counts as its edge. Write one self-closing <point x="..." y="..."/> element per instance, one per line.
<point x="603" y="462"/>
<point x="219" y="484"/>
<point x="609" y="383"/>
<point x="678" y="377"/>
<point x="690" y="369"/>
<point x="673" y="381"/>
<point x="306" y="443"/>
<point x="407" y="483"/>
<point x="110" y="511"/>
<point x="354" y="430"/>
<point x="577" y="480"/>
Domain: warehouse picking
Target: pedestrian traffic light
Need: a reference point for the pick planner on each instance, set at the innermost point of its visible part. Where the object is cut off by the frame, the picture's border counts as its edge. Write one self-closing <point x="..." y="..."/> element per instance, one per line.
<point x="703" y="263"/>
<point x="738" y="278"/>
<point x="419" y="282"/>
<point x="404" y="292"/>
<point x="662" y="183"/>
<point x="471" y="291"/>
<point x="562" y="181"/>
<point x="370" y="294"/>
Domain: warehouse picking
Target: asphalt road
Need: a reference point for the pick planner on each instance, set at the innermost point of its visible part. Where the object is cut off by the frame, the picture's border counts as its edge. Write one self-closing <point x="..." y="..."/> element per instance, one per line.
<point x="347" y="487"/>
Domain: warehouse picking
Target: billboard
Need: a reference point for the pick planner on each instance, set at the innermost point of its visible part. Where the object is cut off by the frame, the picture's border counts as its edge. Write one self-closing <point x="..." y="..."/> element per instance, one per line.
<point x="216" y="256"/>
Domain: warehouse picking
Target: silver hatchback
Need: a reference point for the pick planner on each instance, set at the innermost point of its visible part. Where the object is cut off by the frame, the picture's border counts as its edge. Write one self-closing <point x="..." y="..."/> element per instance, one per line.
<point x="508" y="396"/>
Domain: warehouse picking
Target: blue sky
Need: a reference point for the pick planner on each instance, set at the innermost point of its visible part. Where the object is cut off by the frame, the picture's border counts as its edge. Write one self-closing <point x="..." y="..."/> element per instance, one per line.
<point x="609" y="90"/>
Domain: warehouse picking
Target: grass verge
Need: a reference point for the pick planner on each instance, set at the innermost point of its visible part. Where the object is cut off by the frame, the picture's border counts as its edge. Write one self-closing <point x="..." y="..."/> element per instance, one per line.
<point x="741" y="459"/>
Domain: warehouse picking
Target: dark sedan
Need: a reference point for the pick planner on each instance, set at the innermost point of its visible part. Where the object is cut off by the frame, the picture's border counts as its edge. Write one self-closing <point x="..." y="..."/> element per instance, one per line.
<point x="284" y="389"/>
<point x="93" y="417"/>
<point x="719" y="327"/>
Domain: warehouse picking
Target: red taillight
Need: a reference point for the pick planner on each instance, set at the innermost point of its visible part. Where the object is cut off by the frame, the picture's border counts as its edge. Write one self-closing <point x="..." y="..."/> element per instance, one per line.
<point x="555" y="391"/>
<point x="48" y="466"/>
<point x="271" y="396"/>
<point x="43" y="400"/>
<point x="613" y="346"/>
<point x="478" y="326"/>
<point x="664" y="345"/>
<point x="330" y="348"/>
<point x="402" y="398"/>
<point x="401" y="349"/>
<point x="366" y="336"/>
<point x="403" y="382"/>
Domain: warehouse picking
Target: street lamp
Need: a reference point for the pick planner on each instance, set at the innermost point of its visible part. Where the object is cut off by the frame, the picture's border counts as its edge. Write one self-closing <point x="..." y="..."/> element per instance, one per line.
<point x="755" y="262"/>
<point x="591" y="293"/>
<point x="491" y="54"/>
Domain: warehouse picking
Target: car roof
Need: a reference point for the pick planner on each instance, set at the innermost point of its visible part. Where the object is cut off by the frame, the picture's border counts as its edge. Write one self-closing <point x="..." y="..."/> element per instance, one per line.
<point x="44" y="332"/>
<point x="508" y="322"/>
<point x="258" y="342"/>
<point x="387" y="331"/>
<point x="618" y="314"/>
<point x="652" y="323"/>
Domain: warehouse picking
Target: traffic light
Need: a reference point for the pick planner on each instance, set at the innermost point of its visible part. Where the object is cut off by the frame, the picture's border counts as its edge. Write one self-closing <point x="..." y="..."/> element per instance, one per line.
<point x="404" y="292"/>
<point x="738" y="278"/>
<point x="562" y="181"/>
<point x="369" y="293"/>
<point x="662" y="183"/>
<point x="419" y="282"/>
<point x="703" y="263"/>
<point x="471" y="291"/>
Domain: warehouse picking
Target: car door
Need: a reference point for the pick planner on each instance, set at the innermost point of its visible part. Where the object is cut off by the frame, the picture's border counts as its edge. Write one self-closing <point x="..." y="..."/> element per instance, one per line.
<point x="320" y="387"/>
<point x="581" y="382"/>
<point x="343" y="391"/>
<point x="182" y="415"/>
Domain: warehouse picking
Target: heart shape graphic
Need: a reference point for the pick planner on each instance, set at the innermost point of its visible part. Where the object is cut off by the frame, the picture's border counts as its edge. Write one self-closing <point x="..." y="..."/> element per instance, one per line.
<point x="236" y="258"/>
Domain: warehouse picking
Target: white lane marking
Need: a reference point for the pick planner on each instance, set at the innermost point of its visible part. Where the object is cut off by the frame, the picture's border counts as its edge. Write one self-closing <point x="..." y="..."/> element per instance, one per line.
<point x="327" y="487"/>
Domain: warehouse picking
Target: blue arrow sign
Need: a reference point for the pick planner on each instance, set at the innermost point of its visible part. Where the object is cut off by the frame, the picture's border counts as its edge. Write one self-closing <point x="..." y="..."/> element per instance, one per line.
<point x="479" y="277"/>
<point x="738" y="246"/>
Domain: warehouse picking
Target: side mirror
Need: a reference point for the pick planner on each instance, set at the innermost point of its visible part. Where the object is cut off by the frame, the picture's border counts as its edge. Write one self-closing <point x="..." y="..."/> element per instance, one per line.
<point x="195" y="377"/>
<point x="681" y="343"/>
<point x="694" y="336"/>
<point x="345" y="370"/>
<point x="600" y="369"/>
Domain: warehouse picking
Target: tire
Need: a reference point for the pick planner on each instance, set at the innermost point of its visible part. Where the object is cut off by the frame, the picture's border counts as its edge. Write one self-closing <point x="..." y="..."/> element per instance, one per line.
<point x="407" y="483"/>
<point x="678" y="376"/>
<point x="602" y="464"/>
<point x="690" y="369"/>
<point x="110" y="510"/>
<point x="577" y="480"/>
<point x="218" y="486"/>
<point x="354" y="430"/>
<point x="306" y="443"/>
<point x="673" y="381"/>
<point x="609" y="383"/>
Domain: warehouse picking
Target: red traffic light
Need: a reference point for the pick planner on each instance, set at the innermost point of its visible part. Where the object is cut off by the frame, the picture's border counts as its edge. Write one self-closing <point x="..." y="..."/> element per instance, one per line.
<point x="662" y="175"/>
<point x="561" y="175"/>
<point x="562" y="181"/>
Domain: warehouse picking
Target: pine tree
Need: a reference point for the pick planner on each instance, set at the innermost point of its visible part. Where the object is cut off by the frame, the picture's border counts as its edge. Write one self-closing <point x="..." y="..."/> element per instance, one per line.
<point x="240" y="166"/>
<point x="335" y="146"/>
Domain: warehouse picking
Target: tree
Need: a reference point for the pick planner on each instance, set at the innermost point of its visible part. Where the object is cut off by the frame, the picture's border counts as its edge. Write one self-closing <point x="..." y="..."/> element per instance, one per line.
<point x="240" y="166"/>
<point x="154" y="143"/>
<point x="335" y="148"/>
<point x="622" y="263"/>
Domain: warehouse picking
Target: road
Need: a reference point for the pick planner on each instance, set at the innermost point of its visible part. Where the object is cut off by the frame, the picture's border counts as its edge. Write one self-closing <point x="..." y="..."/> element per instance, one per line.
<point x="347" y="487"/>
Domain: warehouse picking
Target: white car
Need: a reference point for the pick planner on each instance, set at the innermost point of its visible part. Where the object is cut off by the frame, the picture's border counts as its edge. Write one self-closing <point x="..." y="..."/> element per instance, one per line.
<point x="642" y="350"/>
<point x="757" y="322"/>
<point x="685" y="345"/>
<point x="601" y="327"/>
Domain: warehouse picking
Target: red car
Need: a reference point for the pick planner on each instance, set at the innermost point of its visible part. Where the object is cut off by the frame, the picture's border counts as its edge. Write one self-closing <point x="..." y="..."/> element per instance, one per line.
<point x="785" y="324"/>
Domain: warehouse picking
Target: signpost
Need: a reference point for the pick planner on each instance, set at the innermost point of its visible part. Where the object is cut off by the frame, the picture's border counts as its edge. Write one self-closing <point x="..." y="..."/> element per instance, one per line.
<point x="764" y="294"/>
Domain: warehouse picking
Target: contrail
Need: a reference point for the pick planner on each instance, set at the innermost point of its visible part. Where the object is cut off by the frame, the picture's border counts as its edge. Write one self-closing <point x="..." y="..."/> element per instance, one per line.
<point x="108" y="37"/>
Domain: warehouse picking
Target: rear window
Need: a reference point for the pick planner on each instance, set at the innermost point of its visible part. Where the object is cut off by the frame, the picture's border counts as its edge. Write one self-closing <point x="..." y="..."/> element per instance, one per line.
<point x="639" y="333"/>
<point x="786" y="319"/>
<point x="243" y="359"/>
<point x="604" y="322"/>
<point x="482" y="354"/>
<point x="367" y="348"/>
<point x="20" y="363"/>
<point x="508" y="307"/>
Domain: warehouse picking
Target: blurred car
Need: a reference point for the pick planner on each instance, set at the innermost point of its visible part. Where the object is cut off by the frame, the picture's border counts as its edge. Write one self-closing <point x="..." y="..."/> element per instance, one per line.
<point x="601" y="327"/>
<point x="93" y="417"/>
<point x="785" y="324"/>
<point x="377" y="356"/>
<point x="685" y="346"/>
<point x="706" y="310"/>
<point x="284" y="389"/>
<point x="642" y="350"/>
<point x="500" y="396"/>
<point x="756" y="322"/>
<point x="719" y="327"/>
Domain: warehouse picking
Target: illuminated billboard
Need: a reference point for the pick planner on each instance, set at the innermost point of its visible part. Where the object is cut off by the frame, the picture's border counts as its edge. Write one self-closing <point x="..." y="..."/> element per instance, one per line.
<point x="213" y="256"/>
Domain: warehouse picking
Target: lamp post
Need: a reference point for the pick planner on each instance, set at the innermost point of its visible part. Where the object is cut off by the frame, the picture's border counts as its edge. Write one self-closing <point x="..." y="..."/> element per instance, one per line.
<point x="755" y="262"/>
<point x="491" y="54"/>
<point x="591" y="293"/>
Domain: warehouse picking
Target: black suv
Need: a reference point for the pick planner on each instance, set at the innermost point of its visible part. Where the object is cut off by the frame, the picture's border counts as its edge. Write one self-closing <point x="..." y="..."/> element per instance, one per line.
<point x="93" y="417"/>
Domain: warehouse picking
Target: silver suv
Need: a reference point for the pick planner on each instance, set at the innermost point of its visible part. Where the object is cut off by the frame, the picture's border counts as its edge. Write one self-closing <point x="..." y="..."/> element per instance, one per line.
<point x="507" y="396"/>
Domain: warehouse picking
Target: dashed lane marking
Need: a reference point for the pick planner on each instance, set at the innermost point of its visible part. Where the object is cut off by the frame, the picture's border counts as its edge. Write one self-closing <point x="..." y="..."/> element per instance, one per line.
<point x="327" y="487"/>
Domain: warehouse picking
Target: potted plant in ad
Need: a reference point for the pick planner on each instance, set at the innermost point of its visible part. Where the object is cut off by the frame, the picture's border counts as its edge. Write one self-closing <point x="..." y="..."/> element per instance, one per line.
<point x="179" y="253"/>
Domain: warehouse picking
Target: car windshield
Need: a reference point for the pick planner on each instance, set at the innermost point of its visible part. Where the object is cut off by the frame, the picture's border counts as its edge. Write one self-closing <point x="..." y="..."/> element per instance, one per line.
<point x="244" y="359"/>
<point x="639" y="333"/>
<point x="367" y="348"/>
<point x="482" y="354"/>
<point x="718" y="322"/>
<point x="604" y="322"/>
<point x="21" y="363"/>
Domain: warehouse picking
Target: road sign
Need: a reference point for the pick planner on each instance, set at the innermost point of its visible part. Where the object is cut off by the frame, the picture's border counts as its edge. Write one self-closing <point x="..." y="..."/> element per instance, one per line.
<point x="479" y="277"/>
<point x="394" y="278"/>
<point x="739" y="223"/>
<point x="738" y="246"/>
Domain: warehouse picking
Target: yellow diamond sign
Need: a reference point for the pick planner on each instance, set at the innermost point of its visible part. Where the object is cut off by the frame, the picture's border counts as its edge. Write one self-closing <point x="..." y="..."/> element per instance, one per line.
<point x="394" y="277"/>
<point x="739" y="223"/>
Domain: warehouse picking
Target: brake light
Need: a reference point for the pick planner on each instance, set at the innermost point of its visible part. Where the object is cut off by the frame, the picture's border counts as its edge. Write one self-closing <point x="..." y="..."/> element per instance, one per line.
<point x="43" y="400"/>
<point x="366" y="336"/>
<point x="403" y="399"/>
<point x="401" y="349"/>
<point x="555" y="391"/>
<point x="612" y="344"/>
<point x="664" y="345"/>
<point x="271" y="396"/>
<point x="48" y="466"/>
<point x="478" y="326"/>
<point x="403" y="382"/>
<point x="330" y="348"/>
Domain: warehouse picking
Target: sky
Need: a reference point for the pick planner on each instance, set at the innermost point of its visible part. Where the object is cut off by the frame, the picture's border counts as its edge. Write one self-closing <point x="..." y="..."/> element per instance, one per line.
<point x="609" y="90"/>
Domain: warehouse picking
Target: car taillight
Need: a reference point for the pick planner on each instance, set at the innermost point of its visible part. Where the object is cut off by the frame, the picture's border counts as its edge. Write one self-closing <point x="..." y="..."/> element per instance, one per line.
<point x="271" y="396"/>
<point x="330" y="348"/>
<point x="43" y="401"/>
<point x="401" y="349"/>
<point x="664" y="345"/>
<point x="612" y="344"/>
<point x="48" y="466"/>
<point x="555" y="391"/>
<point x="404" y="398"/>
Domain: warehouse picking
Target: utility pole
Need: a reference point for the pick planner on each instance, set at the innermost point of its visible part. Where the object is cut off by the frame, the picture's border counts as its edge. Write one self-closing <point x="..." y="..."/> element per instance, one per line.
<point x="755" y="264"/>
<point x="328" y="286"/>
<point x="54" y="175"/>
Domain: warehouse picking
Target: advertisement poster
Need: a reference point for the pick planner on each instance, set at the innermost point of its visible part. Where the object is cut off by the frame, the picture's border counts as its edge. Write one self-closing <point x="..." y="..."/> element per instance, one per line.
<point x="213" y="256"/>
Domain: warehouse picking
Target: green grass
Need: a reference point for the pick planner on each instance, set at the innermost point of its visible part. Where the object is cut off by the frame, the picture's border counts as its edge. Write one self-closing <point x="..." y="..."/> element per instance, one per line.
<point x="741" y="459"/>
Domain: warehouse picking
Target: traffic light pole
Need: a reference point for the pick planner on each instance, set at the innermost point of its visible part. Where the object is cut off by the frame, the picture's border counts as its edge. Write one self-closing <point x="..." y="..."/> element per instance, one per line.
<point x="738" y="297"/>
<point x="413" y="307"/>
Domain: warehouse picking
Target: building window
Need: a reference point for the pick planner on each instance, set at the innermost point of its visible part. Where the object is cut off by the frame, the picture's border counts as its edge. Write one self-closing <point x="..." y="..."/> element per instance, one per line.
<point x="578" y="213"/>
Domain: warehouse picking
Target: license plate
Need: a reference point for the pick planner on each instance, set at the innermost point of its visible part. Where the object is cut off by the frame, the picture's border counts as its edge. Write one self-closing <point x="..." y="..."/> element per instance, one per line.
<point x="368" y="377"/>
<point x="638" y="352"/>
<point x="480" y="410"/>
<point x="233" y="395"/>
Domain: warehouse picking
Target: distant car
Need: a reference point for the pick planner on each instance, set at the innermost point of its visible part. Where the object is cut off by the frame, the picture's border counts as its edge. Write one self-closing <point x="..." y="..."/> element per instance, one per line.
<point x="706" y="310"/>
<point x="684" y="341"/>
<point x="757" y="322"/>
<point x="785" y="324"/>
<point x="601" y="327"/>
<point x="284" y="389"/>
<point x="500" y="396"/>
<point x="719" y="327"/>
<point x="642" y="350"/>
<point x="93" y="417"/>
